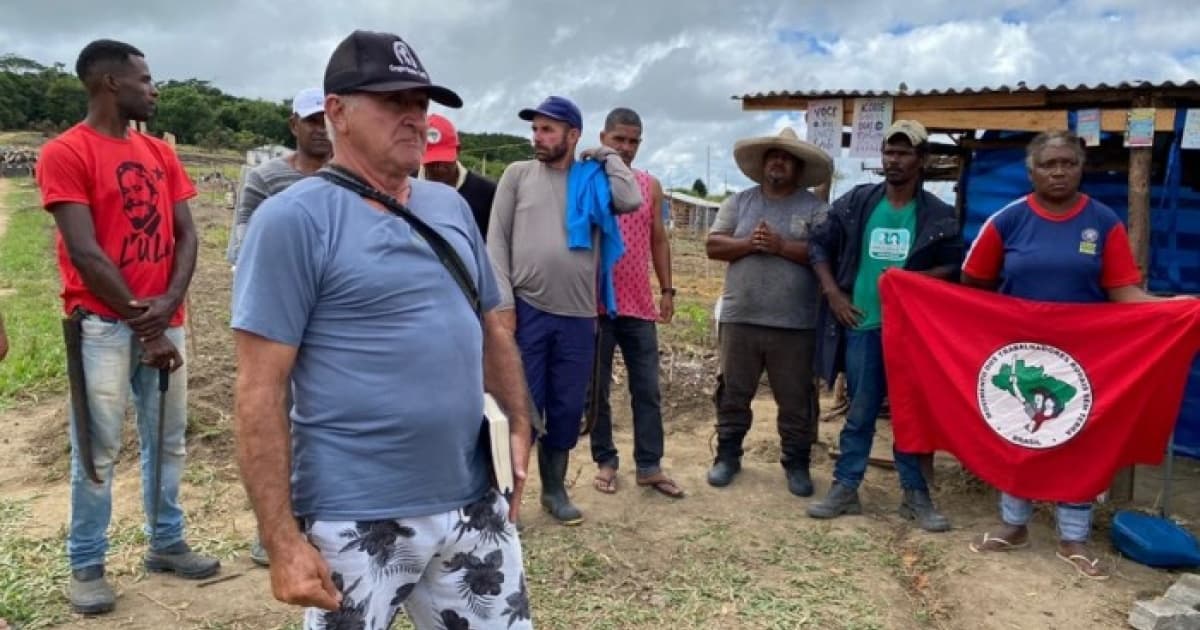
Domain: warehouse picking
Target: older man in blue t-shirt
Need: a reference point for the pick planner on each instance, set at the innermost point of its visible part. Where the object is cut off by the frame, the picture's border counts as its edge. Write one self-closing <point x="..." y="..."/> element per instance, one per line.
<point x="387" y="504"/>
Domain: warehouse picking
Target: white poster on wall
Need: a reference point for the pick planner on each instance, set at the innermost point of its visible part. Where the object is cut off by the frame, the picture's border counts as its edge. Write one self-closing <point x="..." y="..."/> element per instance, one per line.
<point x="1191" y="130"/>
<point x="872" y="116"/>
<point x="824" y="120"/>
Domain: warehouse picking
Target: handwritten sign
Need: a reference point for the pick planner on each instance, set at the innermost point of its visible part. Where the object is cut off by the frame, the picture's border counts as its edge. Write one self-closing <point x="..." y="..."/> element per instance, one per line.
<point x="1087" y="125"/>
<point x="872" y="116"/>
<point x="824" y="119"/>
<point x="1139" y="131"/>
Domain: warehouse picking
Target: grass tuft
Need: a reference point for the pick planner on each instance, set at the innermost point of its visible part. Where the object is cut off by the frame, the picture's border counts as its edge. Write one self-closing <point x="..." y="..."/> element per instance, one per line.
<point x="29" y="300"/>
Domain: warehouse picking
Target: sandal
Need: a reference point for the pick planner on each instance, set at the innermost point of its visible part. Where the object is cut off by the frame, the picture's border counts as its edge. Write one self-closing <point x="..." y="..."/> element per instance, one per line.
<point x="989" y="543"/>
<point x="663" y="484"/>
<point x="605" y="480"/>
<point x="1087" y="567"/>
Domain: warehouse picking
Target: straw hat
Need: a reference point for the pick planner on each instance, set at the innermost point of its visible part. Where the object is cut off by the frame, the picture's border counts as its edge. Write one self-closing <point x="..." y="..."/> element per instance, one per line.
<point x="749" y="153"/>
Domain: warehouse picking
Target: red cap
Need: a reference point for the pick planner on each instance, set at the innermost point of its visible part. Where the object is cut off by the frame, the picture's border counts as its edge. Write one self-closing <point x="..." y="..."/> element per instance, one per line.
<point x="442" y="141"/>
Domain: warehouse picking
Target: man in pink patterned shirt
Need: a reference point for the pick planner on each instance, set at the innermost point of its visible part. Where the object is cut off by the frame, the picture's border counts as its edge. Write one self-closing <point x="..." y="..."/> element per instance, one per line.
<point x="633" y="329"/>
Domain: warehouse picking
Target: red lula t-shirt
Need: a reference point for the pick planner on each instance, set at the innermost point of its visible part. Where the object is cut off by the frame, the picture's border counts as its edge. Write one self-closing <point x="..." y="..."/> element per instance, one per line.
<point x="131" y="186"/>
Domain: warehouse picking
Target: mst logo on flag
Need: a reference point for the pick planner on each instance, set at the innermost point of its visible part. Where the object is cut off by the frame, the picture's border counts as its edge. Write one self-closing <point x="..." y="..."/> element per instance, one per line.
<point x="1034" y="395"/>
<point x="1043" y="401"/>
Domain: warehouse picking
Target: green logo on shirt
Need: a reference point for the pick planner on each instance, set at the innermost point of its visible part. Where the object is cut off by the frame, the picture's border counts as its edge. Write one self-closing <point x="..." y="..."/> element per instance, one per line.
<point x="889" y="244"/>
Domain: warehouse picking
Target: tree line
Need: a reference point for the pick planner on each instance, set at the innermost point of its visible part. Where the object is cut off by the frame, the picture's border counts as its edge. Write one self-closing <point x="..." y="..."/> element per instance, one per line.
<point x="50" y="99"/>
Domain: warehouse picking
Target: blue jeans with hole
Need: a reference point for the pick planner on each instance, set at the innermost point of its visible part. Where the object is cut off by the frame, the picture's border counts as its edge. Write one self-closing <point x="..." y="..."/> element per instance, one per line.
<point x="112" y="371"/>
<point x="867" y="387"/>
<point x="1074" y="519"/>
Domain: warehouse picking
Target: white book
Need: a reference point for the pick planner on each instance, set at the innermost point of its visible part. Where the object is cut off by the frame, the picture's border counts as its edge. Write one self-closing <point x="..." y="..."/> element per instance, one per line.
<point x="499" y="445"/>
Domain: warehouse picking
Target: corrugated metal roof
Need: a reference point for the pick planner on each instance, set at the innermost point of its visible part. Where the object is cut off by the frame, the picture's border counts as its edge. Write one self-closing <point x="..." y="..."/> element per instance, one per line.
<point x="1019" y="88"/>
<point x="695" y="201"/>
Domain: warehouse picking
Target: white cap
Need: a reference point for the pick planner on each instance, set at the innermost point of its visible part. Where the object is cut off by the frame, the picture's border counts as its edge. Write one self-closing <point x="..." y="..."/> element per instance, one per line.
<point x="308" y="101"/>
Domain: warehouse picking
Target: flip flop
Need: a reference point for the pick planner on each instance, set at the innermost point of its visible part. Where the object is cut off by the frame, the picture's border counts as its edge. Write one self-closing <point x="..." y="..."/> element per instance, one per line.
<point x="1084" y="565"/>
<point x="605" y="480"/>
<point x="989" y="543"/>
<point x="663" y="484"/>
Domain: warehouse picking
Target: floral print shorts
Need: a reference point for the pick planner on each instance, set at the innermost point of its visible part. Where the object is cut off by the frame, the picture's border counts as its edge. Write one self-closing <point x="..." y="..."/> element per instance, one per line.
<point x="458" y="570"/>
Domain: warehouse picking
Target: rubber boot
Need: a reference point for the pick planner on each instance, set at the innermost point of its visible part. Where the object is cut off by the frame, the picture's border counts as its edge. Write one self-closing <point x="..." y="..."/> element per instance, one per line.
<point x="552" y="466"/>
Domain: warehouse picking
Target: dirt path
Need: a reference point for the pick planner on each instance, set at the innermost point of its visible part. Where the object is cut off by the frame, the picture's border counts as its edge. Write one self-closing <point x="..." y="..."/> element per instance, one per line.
<point x="739" y="557"/>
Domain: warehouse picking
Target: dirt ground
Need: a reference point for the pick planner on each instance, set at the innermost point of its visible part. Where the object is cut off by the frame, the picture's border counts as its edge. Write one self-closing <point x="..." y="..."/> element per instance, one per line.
<point x="740" y="557"/>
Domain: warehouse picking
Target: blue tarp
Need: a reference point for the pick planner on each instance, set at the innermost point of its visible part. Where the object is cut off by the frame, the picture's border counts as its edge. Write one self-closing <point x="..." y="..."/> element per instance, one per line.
<point x="998" y="176"/>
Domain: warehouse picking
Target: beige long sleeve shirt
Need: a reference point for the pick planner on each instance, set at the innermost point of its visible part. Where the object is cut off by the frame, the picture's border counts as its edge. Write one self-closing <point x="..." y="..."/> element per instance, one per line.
<point x="527" y="237"/>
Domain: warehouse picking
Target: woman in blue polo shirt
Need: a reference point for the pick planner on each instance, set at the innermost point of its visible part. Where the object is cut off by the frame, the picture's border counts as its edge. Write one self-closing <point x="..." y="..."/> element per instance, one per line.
<point x="1054" y="245"/>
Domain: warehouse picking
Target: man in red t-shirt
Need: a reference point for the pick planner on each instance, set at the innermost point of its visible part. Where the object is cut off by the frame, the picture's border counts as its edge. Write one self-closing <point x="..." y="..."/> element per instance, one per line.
<point x="126" y="251"/>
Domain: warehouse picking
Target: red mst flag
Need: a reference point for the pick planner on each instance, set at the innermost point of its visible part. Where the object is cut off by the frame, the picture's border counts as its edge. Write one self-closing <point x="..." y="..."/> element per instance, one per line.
<point x="1043" y="401"/>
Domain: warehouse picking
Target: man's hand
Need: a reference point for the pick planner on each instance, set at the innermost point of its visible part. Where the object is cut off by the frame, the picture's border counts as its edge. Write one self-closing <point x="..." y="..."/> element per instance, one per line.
<point x="300" y="576"/>
<point x="843" y="309"/>
<point x="666" y="308"/>
<point x="160" y="353"/>
<point x="599" y="154"/>
<point x="155" y="316"/>
<point x="519" y="445"/>
<point x="766" y="240"/>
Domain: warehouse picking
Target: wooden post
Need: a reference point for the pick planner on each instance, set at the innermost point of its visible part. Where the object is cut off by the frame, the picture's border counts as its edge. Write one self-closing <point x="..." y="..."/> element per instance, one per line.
<point x="1140" y="163"/>
<point x="1139" y="199"/>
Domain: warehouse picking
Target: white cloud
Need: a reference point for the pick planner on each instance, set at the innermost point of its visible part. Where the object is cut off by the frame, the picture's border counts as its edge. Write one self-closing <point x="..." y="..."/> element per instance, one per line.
<point x="677" y="63"/>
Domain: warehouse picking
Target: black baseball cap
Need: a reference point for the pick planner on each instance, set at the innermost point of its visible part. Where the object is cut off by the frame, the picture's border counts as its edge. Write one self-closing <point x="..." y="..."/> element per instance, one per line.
<point x="367" y="61"/>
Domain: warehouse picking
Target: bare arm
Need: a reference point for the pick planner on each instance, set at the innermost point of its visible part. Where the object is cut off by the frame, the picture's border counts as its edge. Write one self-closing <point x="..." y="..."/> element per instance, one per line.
<point x="262" y="433"/>
<point x="100" y="275"/>
<point x="942" y="272"/>
<point x="724" y="246"/>
<point x="660" y="254"/>
<point x="186" y="245"/>
<point x="968" y="280"/>
<point x="504" y="378"/>
<point x="794" y="250"/>
<point x="298" y="573"/>
<point x="840" y="304"/>
<point x="1132" y="293"/>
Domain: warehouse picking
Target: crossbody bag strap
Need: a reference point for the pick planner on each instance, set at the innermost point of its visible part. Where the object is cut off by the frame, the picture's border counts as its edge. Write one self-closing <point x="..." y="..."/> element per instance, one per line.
<point x="441" y="247"/>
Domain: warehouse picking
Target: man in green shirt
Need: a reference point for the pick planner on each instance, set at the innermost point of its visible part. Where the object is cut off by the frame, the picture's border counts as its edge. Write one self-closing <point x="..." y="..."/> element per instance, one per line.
<point x="868" y="230"/>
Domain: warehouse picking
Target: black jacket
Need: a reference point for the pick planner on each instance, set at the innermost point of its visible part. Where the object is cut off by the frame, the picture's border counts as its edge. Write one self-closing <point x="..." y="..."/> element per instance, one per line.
<point x="479" y="193"/>
<point x="837" y="240"/>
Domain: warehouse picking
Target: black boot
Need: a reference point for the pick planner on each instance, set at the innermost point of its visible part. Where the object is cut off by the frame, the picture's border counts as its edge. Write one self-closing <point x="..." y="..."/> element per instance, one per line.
<point x="723" y="470"/>
<point x="728" y="462"/>
<point x="552" y="465"/>
<point x="799" y="481"/>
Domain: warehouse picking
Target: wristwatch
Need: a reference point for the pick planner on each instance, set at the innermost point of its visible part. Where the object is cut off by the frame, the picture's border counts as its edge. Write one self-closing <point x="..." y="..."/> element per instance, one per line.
<point x="669" y="291"/>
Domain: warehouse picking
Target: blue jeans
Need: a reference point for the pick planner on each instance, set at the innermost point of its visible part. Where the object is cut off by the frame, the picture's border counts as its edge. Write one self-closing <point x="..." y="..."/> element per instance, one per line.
<point x="867" y="387"/>
<point x="112" y="370"/>
<point x="1074" y="519"/>
<point x="557" y="353"/>
<point x="638" y="339"/>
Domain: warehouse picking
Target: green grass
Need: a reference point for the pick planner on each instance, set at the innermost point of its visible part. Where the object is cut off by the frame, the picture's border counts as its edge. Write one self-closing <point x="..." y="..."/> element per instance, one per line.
<point x="33" y="573"/>
<point x="29" y="300"/>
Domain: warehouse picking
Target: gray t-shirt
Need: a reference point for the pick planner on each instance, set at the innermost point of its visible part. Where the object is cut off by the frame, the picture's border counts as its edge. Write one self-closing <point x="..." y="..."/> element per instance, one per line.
<point x="764" y="289"/>
<point x="388" y="379"/>
<point x="265" y="180"/>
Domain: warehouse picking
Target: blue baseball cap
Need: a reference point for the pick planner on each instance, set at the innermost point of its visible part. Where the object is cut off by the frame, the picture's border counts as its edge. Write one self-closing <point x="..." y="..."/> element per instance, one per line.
<point x="558" y="108"/>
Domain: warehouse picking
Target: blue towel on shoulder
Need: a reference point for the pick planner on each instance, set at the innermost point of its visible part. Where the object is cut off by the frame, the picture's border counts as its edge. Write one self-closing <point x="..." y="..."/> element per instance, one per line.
<point x="589" y="204"/>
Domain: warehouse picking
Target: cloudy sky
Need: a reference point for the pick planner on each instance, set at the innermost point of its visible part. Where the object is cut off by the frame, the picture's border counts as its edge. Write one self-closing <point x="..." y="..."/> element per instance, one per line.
<point x="677" y="63"/>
